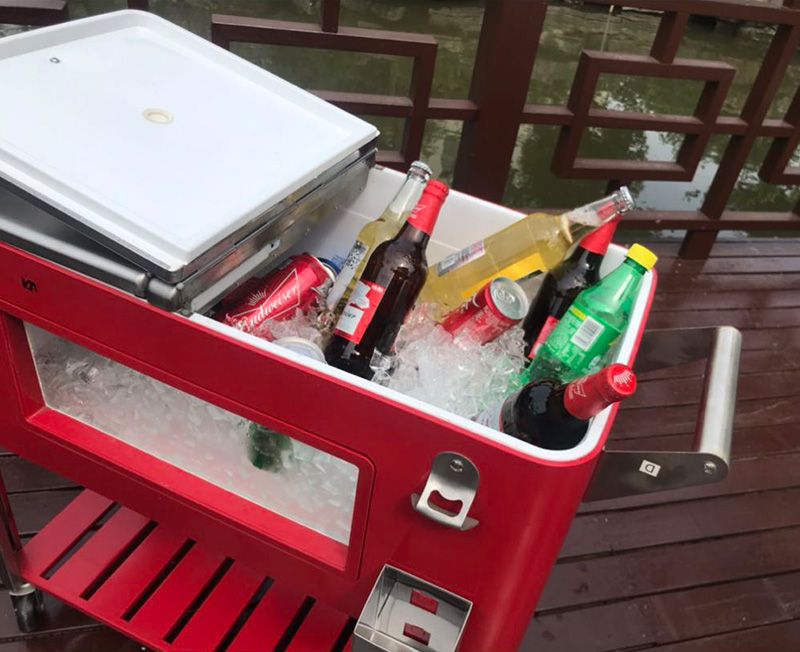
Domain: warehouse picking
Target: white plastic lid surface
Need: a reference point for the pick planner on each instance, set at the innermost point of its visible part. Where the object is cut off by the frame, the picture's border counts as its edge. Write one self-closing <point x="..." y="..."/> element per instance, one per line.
<point x="153" y="137"/>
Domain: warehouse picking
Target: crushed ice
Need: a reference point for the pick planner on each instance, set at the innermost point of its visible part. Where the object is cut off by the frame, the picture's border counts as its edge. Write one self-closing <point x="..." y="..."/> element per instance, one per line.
<point x="457" y="374"/>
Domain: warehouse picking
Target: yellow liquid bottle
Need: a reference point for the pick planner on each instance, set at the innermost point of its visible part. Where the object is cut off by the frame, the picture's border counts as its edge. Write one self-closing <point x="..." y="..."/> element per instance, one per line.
<point x="537" y="242"/>
<point x="374" y="233"/>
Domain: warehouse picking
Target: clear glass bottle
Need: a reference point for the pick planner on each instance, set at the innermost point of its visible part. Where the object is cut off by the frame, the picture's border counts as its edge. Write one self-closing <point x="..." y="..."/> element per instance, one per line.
<point x="537" y="242"/>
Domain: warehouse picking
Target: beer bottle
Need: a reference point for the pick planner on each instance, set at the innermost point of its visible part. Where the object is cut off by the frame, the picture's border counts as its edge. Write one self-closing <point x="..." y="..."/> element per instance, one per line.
<point x="537" y="242"/>
<point x="563" y="283"/>
<point x="552" y="414"/>
<point x="378" y="230"/>
<point x="384" y="295"/>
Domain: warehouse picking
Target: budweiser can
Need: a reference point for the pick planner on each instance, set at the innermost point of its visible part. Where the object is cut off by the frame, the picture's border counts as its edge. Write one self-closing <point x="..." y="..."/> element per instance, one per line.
<point x="495" y="308"/>
<point x="297" y="284"/>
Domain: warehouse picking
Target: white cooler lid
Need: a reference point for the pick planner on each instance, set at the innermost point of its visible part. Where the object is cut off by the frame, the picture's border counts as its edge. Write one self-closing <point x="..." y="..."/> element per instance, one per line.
<point x="75" y="133"/>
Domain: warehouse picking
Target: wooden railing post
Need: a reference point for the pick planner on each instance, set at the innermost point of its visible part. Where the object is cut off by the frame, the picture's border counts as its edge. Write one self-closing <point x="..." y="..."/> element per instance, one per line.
<point x="329" y="15"/>
<point x="698" y="244"/>
<point x="500" y="80"/>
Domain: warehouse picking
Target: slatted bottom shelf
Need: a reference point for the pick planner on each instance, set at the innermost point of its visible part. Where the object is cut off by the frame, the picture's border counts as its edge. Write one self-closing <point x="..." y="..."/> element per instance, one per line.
<point x="169" y="592"/>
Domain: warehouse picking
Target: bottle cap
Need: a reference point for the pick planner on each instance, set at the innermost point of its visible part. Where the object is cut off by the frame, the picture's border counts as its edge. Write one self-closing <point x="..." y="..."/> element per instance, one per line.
<point x="419" y="166"/>
<point x="437" y="189"/>
<point x="642" y="255"/>
<point x="617" y="382"/>
<point x="627" y="198"/>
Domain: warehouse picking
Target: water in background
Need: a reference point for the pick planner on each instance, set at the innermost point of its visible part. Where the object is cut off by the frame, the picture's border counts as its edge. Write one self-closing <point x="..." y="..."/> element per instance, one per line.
<point x="568" y="29"/>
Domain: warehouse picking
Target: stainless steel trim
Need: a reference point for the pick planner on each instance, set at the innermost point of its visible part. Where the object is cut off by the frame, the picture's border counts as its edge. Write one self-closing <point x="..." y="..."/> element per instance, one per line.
<point x="226" y="247"/>
<point x="31" y="229"/>
<point x="289" y="226"/>
<point x="29" y="225"/>
<point x="379" y="627"/>
<point x="629" y="473"/>
<point x="456" y="479"/>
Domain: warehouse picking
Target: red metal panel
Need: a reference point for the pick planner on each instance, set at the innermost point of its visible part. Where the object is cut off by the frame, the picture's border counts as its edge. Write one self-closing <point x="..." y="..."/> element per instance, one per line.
<point x="319" y="630"/>
<point x="269" y="620"/>
<point x="524" y="528"/>
<point x="213" y="619"/>
<point x="63" y="531"/>
<point x="93" y="557"/>
<point x="171" y="599"/>
<point x="136" y="573"/>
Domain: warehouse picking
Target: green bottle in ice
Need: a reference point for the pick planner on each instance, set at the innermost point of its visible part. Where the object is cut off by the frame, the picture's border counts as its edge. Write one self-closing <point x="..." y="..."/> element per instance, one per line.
<point x="598" y="316"/>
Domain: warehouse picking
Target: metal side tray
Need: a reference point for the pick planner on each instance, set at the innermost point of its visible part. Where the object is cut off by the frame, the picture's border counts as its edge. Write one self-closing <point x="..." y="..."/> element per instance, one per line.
<point x="404" y="613"/>
<point x="628" y="473"/>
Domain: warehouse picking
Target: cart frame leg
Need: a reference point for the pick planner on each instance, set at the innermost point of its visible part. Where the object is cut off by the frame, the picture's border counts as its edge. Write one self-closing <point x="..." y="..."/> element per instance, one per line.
<point x="25" y="597"/>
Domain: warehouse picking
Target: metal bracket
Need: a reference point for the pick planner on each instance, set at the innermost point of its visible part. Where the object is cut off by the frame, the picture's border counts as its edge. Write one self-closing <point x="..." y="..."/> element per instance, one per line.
<point x="629" y="473"/>
<point x="455" y="478"/>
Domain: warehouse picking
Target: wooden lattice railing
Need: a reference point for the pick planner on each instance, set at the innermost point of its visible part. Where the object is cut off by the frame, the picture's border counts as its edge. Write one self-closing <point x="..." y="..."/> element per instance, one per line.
<point x="496" y="106"/>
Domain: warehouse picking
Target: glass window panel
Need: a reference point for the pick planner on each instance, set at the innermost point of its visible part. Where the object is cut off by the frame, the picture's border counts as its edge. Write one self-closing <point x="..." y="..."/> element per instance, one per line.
<point x="284" y="475"/>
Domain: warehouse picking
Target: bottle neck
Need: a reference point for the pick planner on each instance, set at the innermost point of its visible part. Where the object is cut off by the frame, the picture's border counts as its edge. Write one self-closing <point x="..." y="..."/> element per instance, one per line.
<point x="598" y="240"/>
<point x="582" y="221"/>
<point x="426" y="212"/>
<point x="407" y="196"/>
<point x="590" y="395"/>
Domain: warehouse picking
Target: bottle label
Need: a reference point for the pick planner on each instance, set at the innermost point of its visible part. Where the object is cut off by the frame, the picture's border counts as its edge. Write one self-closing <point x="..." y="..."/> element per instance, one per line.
<point x="459" y="258"/>
<point x="549" y="324"/>
<point x="580" y="341"/>
<point x="360" y="310"/>
<point x="357" y="253"/>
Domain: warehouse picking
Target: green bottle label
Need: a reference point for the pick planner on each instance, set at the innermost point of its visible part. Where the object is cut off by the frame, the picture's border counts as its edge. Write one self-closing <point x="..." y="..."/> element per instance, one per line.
<point x="580" y="340"/>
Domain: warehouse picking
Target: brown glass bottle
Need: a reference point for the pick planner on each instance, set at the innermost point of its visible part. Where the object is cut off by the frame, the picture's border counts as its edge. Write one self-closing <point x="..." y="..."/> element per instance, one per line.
<point x="552" y="414"/>
<point x="384" y="295"/>
<point x="565" y="282"/>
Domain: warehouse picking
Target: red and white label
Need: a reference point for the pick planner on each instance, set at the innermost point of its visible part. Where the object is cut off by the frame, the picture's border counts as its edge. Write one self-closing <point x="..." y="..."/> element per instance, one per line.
<point x="548" y="327"/>
<point x="360" y="310"/>
<point x="260" y="306"/>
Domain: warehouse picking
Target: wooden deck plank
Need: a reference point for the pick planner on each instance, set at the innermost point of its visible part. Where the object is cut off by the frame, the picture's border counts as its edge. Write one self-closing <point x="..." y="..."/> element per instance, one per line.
<point x="693" y="613"/>
<point x="750" y="362"/>
<point x="646" y="572"/>
<point x="659" y="525"/>
<point x="781" y="637"/>
<point x="687" y="391"/>
<point x="683" y="301"/>
<point x="642" y="422"/>
<point x="747" y="442"/>
<point x="727" y="282"/>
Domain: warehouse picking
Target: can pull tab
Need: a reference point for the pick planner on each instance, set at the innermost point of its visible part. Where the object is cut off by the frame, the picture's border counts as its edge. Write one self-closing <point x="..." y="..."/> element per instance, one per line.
<point x="453" y="479"/>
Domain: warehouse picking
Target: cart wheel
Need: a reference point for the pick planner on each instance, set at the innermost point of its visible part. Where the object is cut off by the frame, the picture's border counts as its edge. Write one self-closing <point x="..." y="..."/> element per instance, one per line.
<point x="27" y="608"/>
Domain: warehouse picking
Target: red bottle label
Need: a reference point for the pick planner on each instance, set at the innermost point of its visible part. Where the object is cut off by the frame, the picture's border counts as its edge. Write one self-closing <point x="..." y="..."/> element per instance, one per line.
<point x="548" y="327"/>
<point x="360" y="309"/>
<point x="591" y="394"/>
<point x="425" y="213"/>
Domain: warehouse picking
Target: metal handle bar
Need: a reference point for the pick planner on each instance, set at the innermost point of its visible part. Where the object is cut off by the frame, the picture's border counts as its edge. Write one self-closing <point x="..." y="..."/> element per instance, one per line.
<point x="628" y="473"/>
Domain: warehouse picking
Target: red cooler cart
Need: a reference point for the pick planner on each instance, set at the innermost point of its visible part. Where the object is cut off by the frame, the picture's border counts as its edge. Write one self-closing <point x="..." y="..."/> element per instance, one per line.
<point x="113" y="375"/>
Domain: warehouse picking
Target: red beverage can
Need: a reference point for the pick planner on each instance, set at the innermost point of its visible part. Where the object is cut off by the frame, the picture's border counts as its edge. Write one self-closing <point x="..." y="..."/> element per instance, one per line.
<point x="495" y="308"/>
<point x="296" y="284"/>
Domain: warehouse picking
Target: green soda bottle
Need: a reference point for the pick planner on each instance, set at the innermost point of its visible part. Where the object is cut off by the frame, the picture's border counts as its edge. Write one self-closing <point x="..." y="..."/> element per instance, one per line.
<point x="598" y="316"/>
<point x="266" y="448"/>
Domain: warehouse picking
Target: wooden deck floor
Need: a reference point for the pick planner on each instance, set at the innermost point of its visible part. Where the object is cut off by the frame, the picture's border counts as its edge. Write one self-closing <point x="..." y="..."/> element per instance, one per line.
<point x="702" y="570"/>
